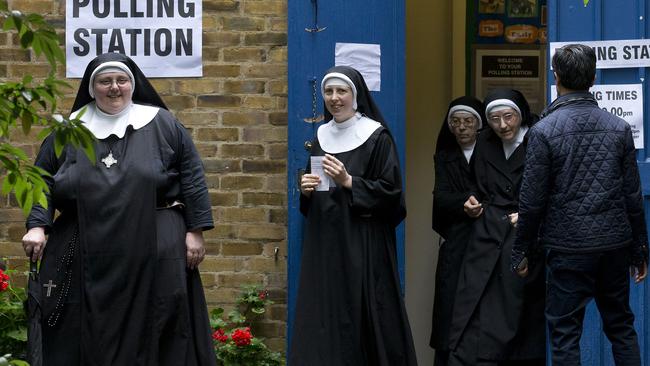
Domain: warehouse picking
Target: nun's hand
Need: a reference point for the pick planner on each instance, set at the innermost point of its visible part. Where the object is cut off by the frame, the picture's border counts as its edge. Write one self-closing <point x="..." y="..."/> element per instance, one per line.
<point x="195" y="248"/>
<point x="34" y="243"/>
<point x="514" y="218"/>
<point x="308" y="183"/>
<point x="335" y="169"/>
<point x="472" y="207"/>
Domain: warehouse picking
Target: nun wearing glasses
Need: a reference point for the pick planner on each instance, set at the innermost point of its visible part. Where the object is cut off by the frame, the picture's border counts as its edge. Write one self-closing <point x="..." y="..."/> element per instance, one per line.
<point x="349" y="309"/>
<point x="498" y="317"/>
<point x="454" y="184"/>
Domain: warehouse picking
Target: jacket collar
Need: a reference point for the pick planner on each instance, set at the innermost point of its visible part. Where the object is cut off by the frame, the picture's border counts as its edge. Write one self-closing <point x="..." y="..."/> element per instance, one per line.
<point x="579" y="97"/>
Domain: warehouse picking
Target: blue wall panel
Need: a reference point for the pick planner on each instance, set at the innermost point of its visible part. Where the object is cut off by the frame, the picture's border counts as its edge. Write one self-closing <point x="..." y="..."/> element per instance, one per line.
<point x="599" y="20"/>
<point x="310" y="54"/>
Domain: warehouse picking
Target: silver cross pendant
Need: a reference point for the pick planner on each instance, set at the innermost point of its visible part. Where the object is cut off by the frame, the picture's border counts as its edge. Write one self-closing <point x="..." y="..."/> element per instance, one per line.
<point x="50" y="285"/>
<point x="109" y="160"/>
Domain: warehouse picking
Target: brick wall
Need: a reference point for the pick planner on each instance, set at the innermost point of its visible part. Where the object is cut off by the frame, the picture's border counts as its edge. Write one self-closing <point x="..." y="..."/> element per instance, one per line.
<point x="237" y="114"/>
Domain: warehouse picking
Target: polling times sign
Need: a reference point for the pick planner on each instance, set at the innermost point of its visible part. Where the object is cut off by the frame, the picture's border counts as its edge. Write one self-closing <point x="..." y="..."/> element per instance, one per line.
<point x="164" y="37"/>
<point x="621" y="100"/>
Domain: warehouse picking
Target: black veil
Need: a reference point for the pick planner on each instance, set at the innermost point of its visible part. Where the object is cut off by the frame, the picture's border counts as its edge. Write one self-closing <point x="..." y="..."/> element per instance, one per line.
<point x="144" y="92"/>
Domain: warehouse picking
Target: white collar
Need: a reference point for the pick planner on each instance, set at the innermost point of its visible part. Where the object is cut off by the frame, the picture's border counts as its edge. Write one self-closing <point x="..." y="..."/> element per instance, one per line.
<point x="103" y="125"/>
<point x="468" y="151"/>
<point x="346" y="136"/>
<point x="510" y="147"/>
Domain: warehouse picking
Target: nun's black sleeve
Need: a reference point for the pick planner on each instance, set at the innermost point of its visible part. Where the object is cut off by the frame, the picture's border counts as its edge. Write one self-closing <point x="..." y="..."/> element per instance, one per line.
<point x="194" y="190"/>
<point x="380" y="192"/>
<point x="448" y="201"/>
<point x="46" y="160"/>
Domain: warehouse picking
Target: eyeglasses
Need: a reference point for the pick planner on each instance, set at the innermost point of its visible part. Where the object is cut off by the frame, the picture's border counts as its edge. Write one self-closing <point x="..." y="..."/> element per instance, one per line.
<point x="467" y="122"/>
<point x="506" y="117"/>
<point x="108" y="82"/>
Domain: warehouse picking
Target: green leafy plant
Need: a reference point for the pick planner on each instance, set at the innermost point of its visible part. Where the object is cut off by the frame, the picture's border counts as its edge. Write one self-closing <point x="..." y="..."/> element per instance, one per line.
<point x="26" y="103"/>
<point x="13" y="321"/>
<point x="6" y="360"/>
<point x="235" y="344"/>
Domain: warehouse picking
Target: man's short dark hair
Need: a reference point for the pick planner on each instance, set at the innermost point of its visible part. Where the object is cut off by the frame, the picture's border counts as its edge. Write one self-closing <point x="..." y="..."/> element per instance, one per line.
<point x="575" y="65"/>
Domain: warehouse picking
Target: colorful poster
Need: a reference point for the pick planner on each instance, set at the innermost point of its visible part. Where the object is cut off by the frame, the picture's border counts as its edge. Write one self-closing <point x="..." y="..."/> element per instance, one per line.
<point x="492" y="6"/>
<point x="522" y="8"/>
<point x="511" y="21"/>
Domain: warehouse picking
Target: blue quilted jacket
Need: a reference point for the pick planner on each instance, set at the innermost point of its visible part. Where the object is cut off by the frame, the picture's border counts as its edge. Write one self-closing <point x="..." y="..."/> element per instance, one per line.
<point x="581" y="190"/>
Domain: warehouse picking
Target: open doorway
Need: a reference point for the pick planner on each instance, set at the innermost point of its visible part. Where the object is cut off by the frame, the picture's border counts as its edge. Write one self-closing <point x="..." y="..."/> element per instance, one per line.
<point x="453" y="49"/>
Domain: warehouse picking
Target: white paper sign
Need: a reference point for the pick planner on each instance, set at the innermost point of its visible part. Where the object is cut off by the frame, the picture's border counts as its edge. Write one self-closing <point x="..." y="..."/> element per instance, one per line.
<point x="616" y="54"/>
<point x="364" y="57"/>
<point x="317" y="169"/>
<point x="622" y="100"/>
<point x="163" y="38"/>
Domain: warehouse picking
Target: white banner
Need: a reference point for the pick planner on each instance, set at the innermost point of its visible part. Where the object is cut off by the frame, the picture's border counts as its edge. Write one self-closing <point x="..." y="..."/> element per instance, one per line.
<point x="622" y="100"/>
<point x="616" y="54"/>
<point x="163" y="37"/>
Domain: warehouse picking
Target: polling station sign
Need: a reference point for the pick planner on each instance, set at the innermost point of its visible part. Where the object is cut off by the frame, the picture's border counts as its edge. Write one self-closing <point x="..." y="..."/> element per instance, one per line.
<point x="164" y="37"/>
<point x="616" y="54"/>
<point x="622" y="100"/>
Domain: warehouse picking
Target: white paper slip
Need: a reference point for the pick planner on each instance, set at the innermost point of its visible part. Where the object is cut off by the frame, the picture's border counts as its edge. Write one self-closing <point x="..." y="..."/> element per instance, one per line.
<point x="317" y="169"/>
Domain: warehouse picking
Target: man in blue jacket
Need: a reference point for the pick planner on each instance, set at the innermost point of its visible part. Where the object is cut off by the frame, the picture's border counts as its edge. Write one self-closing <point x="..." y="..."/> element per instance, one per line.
<point x="581" y="201"/>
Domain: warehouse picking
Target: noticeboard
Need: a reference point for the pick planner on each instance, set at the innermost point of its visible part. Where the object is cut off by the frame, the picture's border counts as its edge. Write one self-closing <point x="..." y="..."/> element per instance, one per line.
<point x="522" y="68"/>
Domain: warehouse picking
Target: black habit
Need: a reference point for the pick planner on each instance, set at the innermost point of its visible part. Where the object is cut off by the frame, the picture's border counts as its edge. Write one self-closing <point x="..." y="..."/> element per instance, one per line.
<point x="454" y="184"/>
<point x="349" y="309"/>
<point x="493" y="306"/>
<point x="115" y="254"/>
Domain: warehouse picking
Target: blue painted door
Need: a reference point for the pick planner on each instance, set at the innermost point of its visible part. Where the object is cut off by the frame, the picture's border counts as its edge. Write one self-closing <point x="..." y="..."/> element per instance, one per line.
<point x="604" y="20"/>
<point x="315" y="26"/>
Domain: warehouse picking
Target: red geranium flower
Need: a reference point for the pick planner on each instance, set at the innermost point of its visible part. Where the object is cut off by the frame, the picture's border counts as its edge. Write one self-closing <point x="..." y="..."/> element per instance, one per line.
<point x="4" y="281"/>
<point x="242" y="337"/>
<point x="263" y="294"/>
<point x="220" y="335"/>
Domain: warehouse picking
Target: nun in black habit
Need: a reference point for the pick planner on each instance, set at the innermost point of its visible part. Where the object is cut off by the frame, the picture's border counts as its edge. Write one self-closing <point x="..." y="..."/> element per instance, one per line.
<point x="119" y="277"/>
<point x="498" y="317"/>
<point x="349" y="309"/>
<point x="454" y="184"/>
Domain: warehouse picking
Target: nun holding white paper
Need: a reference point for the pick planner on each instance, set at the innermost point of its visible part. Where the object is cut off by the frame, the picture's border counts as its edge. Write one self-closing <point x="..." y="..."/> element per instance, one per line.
<point x="349" y="309"/>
